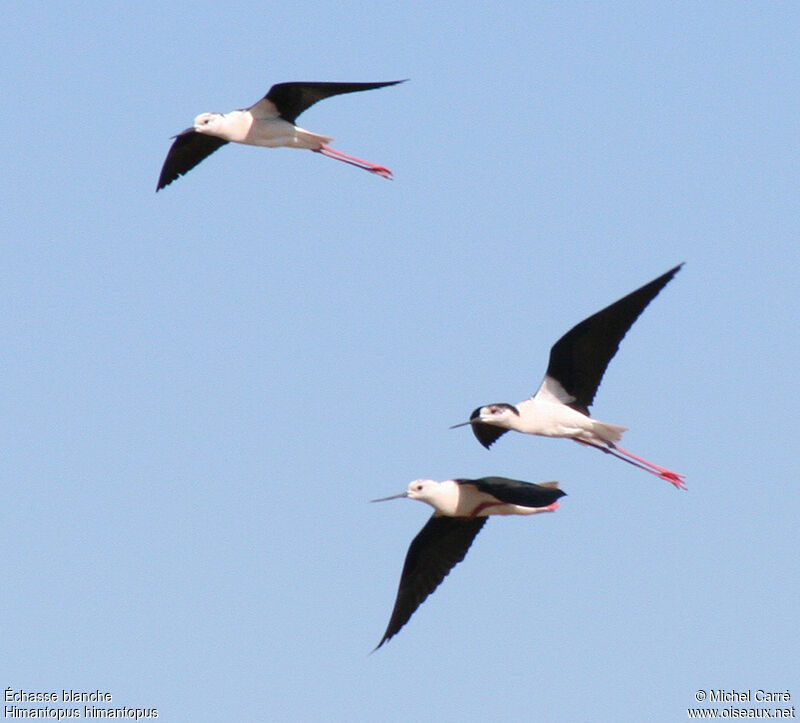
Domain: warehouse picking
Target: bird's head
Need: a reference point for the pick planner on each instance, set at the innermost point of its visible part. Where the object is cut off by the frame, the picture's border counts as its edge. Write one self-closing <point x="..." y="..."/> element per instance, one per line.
<point x="491" y="421"/>
<point x="498" y="414"/>
<point x="420" y="489"/>
<point x="207" y="123"/>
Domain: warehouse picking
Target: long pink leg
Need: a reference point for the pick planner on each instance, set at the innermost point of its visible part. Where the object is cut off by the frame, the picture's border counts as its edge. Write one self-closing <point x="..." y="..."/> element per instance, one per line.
<point x="671" y="477"/>
<point x="484" y="505"/>
<point x="665" y="474"/>
<point x="552" y="507"/>
<point x="326" y="150"/>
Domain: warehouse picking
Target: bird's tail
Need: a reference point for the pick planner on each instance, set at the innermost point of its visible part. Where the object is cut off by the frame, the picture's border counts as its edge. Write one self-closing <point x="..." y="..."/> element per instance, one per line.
<point x="609" y="433"/>
<point x="307" y="139"/>
<point x="549" y="485"/>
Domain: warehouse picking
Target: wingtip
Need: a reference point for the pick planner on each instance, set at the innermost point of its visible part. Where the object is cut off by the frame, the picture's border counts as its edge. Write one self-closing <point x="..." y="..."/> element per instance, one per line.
<point x="672" y="272"/>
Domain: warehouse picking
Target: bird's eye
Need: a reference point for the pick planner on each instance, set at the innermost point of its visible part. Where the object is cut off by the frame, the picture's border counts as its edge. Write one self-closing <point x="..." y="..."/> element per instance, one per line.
<point x="419" y="488"/>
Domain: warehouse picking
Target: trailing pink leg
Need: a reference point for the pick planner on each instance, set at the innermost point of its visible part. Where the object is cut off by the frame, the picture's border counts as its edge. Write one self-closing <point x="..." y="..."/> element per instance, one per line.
<point x="665" y="474"/>
<point x="552" y="507"/>
<point x="326" y="150"/>
<point x="484" y="505"/>
<point x="672" y="477"/>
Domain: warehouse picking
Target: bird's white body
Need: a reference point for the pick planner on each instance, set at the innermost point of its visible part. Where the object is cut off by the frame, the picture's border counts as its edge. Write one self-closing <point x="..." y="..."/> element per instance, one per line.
<point x="255" y="128"/>
<point x="462" y="500"/>
<point x="555" y="419"/>
<point x="548" y="414"/>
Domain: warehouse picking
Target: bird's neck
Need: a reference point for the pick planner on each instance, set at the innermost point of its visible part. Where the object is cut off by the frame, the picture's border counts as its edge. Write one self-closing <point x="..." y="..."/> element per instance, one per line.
<point x="236" y="125"/>
<point x="446" y="497"/>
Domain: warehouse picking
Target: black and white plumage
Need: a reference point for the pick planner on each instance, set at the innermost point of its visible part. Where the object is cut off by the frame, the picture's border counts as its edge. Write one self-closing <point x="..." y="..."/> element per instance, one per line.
<point x="578" y="360"/>
<point x="270" y="123"/>
<point x="461" y="507"/>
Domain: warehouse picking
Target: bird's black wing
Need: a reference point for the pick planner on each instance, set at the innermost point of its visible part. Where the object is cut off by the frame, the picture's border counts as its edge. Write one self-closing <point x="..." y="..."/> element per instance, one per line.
<point x="438" y="547"/>
<point x="291" y="99"/>
<point x="186" y="152"/>
<point x="487" y="434"/>
<point x="579" y="359"/>
<point x="516" y="492"/>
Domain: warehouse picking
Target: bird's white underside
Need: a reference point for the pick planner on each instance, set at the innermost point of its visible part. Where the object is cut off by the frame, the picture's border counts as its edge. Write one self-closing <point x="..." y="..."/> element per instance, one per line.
<point x="460" y="500"/>
<point x="547" y="413"/>
<point x="548" y="417"/>
<point x="259" y="125"/>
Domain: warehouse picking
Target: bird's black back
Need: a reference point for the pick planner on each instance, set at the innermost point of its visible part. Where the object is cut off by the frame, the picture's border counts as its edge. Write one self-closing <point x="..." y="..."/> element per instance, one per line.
<point x="579" y="359"/>
<point x="437" y="548"/>
<point x="291" y="99"/>
<point x="516" y="492"/>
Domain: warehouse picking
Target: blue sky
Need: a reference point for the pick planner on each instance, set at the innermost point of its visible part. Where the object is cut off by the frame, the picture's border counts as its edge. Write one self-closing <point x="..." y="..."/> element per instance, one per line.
<point x="203" y="388"/>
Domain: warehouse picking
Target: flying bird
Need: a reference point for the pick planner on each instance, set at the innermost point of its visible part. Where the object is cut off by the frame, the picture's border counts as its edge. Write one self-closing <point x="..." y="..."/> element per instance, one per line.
<point x="270" y="123"/>
<point x="460" y="510"/>
<point x="578" y="360"/>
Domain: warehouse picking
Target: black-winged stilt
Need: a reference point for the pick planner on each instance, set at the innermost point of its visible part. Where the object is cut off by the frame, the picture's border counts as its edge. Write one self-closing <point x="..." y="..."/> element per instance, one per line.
<point x="578" y="360"/>
<point x="460" y="510"/>
<point x="270" y="123"/>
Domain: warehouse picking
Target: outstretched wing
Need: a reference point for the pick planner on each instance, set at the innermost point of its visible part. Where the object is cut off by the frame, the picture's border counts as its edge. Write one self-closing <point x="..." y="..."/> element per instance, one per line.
<point x="579" y="359"/>
<point x="487" y="434"/>
<point x="186" y="152"/>
<point x="438" y="547"/>
<point x="516" y="492"/>
<point x="289" y="100"/>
